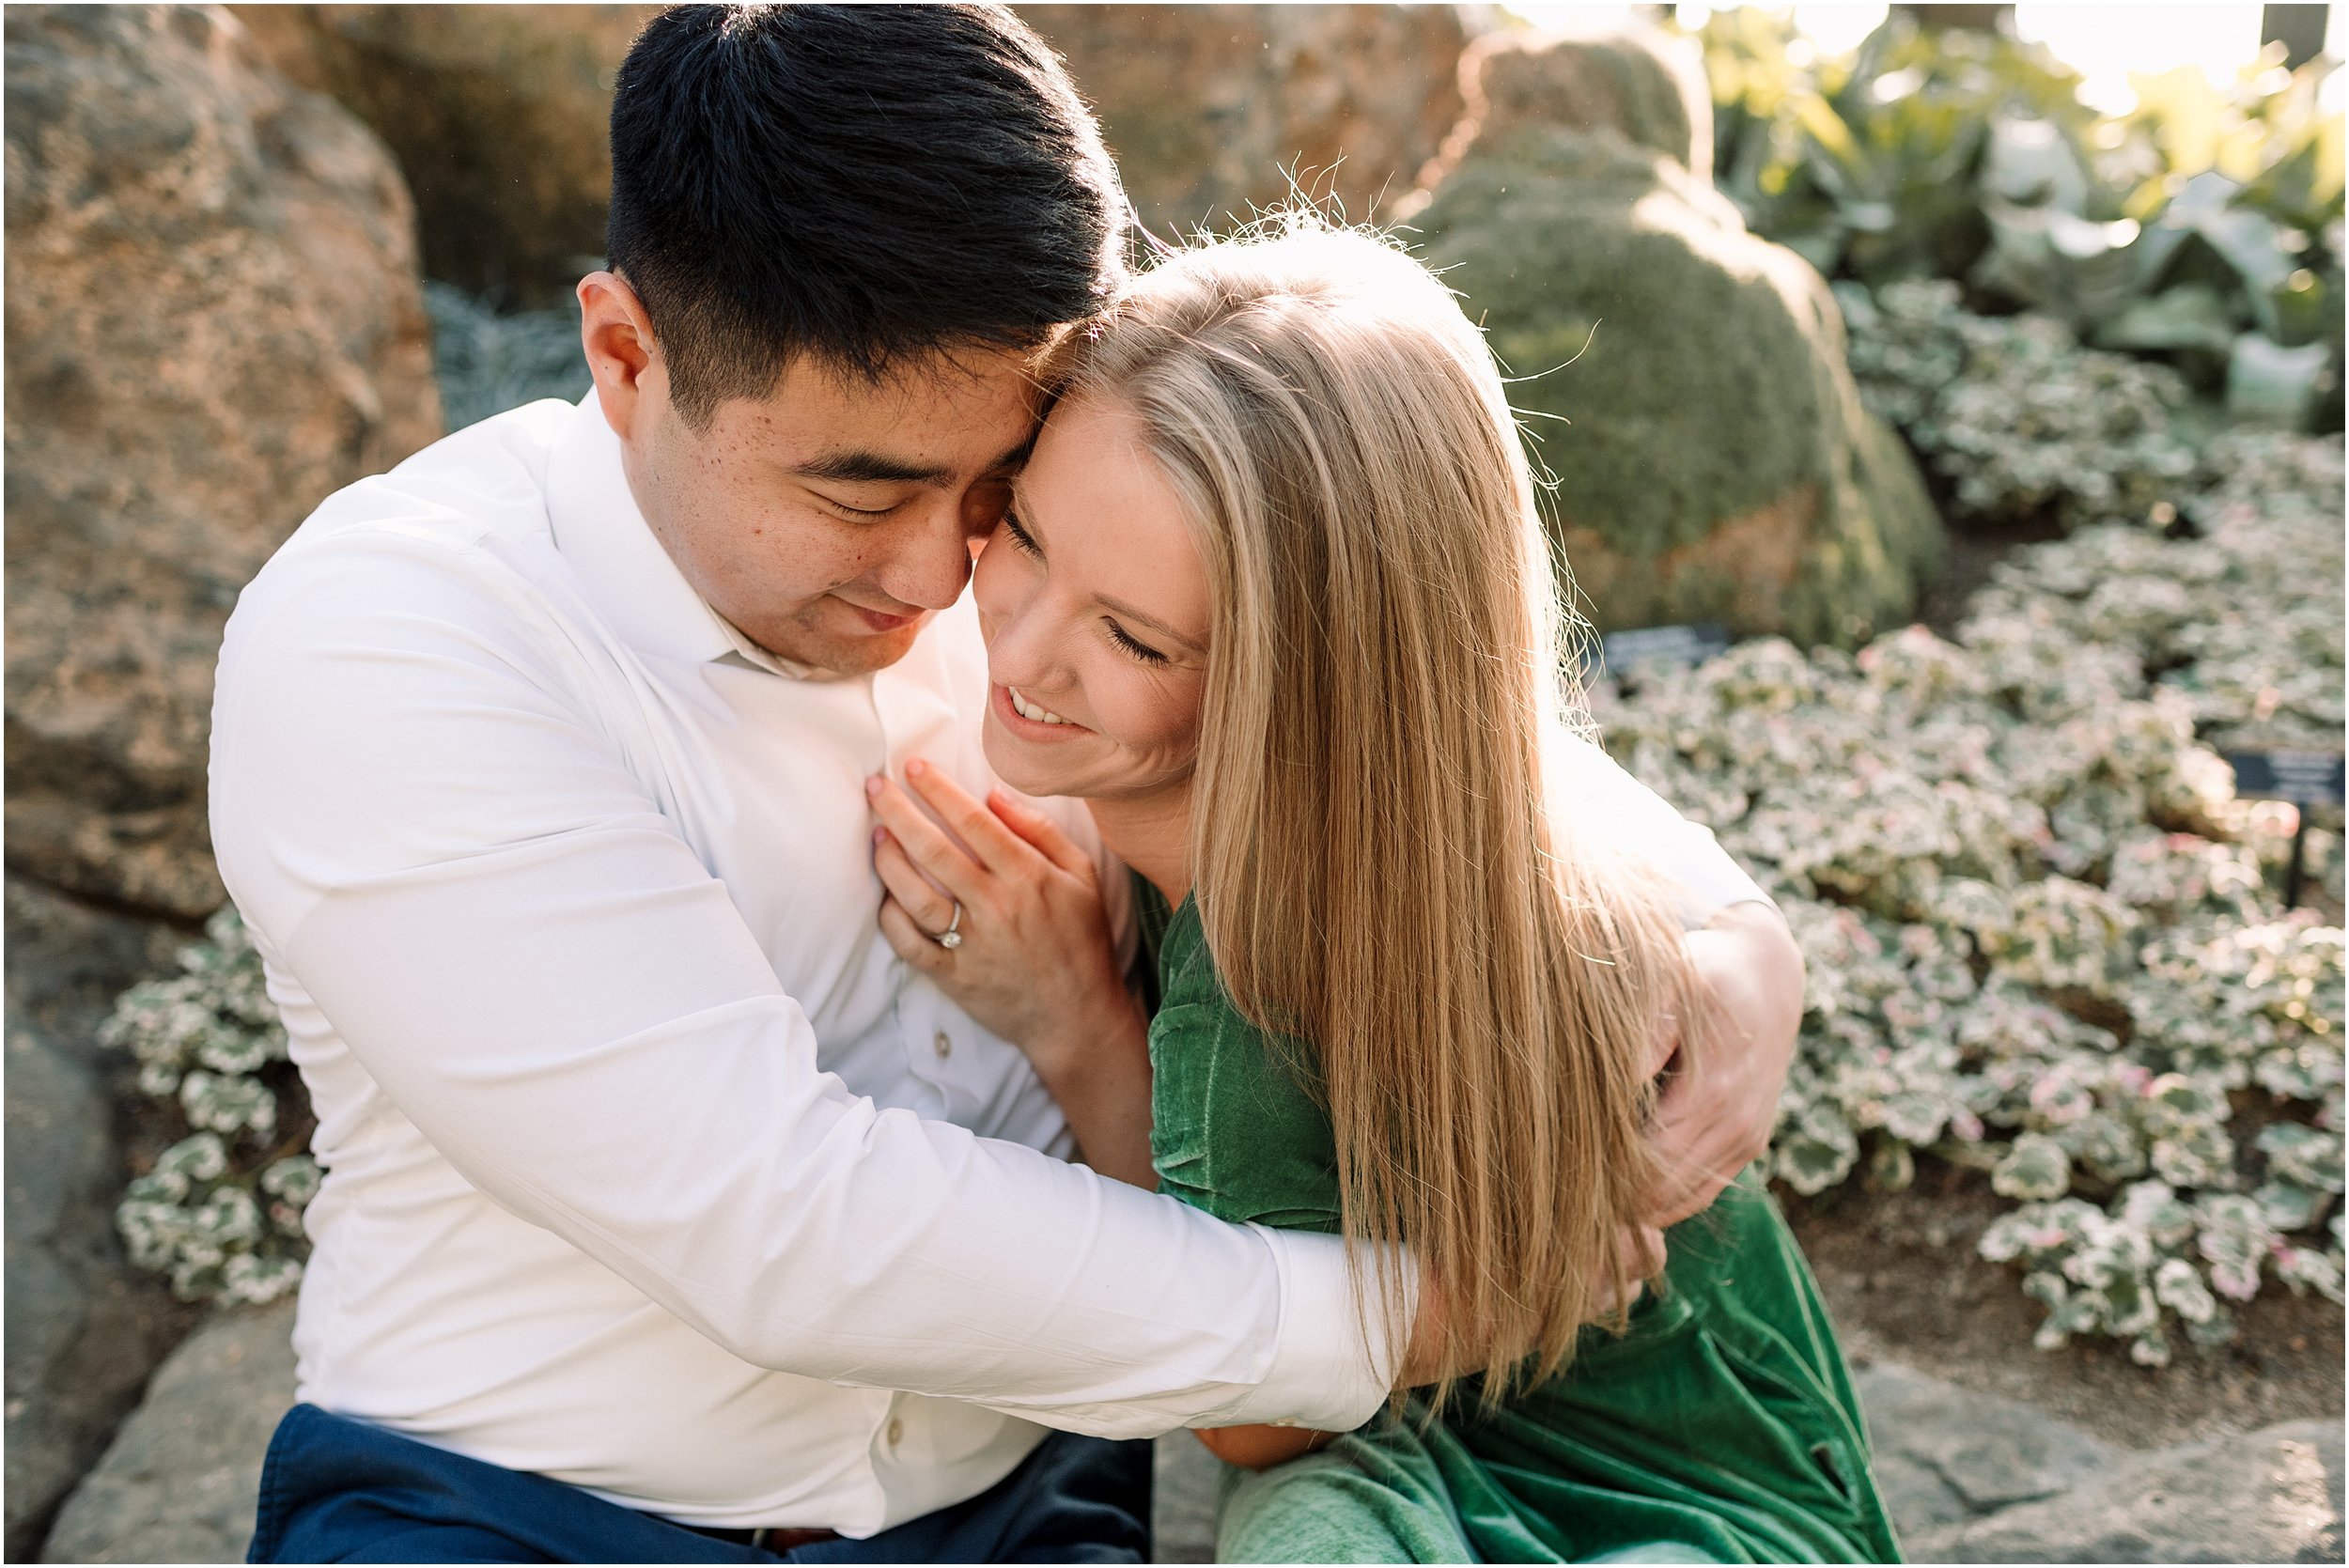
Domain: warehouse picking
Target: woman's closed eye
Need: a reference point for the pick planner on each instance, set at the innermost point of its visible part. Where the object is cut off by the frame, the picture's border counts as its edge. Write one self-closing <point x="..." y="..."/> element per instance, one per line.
<point x="1141" y="652"/>
<point x="1124" y="642"/>
<point x="1021" y="539"/>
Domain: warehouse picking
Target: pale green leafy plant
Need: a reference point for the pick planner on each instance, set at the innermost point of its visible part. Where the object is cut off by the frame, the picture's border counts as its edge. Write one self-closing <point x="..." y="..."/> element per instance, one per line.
<point x="2021" y="421"/>
<point x="2044" y="938"/>
<point x="221" y="1211"/>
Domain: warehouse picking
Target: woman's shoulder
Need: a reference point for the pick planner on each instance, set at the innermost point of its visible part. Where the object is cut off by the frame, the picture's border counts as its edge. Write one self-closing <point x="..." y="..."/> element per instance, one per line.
<point x="1235" y="1128"/>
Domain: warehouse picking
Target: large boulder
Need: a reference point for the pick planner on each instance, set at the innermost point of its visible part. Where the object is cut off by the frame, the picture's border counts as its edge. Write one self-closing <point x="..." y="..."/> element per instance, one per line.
<point x="1685" y="380"/>
<point x="84" y="1327"/>
<point x="213" y="320"/>
<point x="1210" y="108"/>
<point x="182" y="1481"/>
<point x="500" y="117"/>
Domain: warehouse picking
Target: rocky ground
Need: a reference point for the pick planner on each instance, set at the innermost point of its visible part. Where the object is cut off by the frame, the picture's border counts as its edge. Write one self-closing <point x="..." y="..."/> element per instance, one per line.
<point x="83" y="1328"/>
<point x="1902" y="1278"/>
<point x="1971" y="1477"/>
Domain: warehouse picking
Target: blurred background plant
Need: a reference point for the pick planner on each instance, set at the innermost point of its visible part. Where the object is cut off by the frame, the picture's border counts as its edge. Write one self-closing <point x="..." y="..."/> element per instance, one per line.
<point x="487" y="362"/>
<point x="2202" y="228"/>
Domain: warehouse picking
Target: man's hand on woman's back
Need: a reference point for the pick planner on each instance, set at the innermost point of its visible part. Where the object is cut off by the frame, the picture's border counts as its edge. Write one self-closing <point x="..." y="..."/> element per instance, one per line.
<point x="1714" y="1122"/>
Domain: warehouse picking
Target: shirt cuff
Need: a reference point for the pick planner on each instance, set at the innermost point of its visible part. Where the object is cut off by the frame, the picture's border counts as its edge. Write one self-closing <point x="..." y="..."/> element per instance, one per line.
<point x="1324" y="1373"/>
<point x="1713" y="881"/>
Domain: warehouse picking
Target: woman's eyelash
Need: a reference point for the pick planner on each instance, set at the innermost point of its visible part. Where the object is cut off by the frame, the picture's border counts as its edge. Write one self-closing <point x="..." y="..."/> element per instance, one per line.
<point x="1021" y="537"/>
<point x="1025" y="543"/>
<point x="1147" y="655"/>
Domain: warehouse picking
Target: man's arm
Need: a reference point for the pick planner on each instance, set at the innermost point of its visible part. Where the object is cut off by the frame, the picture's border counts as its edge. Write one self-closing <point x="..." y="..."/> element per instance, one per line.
<point x="429" y="827"/>
<point x="1717" y="1120"/>
<point x="1599" y="795"/>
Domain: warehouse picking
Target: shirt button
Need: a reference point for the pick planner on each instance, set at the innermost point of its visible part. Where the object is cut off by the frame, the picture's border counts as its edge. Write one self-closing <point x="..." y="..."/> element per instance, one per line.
<point x="896" y="1432"/>
<point x="946" y="1045"/>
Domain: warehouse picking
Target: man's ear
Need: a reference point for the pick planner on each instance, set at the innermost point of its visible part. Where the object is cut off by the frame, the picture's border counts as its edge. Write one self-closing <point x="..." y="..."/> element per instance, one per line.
<point x="616" y="337"/>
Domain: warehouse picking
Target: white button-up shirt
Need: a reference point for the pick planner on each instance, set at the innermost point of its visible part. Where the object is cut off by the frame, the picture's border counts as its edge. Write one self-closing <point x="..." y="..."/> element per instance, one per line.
<point x="648" y="1166"/>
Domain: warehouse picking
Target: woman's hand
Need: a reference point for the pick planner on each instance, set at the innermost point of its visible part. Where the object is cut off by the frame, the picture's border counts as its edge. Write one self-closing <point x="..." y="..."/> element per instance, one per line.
<point x="1035" y="962"/>
<point x="1714" y="1122"/>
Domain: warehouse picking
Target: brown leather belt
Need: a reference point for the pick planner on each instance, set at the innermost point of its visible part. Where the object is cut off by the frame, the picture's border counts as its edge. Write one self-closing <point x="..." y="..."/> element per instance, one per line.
<point x="766" y="1538"/>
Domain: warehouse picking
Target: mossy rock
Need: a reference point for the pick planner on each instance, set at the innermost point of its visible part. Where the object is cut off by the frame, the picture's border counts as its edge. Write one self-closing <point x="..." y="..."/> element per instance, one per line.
<point x="1685" y="383"/>
<point x="1649" y="87"/>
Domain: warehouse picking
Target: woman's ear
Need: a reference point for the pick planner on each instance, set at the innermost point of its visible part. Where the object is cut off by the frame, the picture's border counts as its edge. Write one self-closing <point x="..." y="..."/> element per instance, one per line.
<point x="616" y="337"/>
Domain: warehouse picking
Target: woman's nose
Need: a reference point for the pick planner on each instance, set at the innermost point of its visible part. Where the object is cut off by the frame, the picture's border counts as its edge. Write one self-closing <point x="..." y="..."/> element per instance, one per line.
<point x="1020" y="644"/>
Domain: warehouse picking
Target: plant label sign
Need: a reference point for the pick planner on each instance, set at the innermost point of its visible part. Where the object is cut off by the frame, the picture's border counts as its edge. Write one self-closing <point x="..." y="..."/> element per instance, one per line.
<point x="2304" y="778"/>
<point x="1620" y="652"/>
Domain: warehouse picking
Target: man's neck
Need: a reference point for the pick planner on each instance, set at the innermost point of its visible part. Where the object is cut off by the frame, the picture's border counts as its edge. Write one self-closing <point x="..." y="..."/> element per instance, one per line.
<point x="1152" y="834"/>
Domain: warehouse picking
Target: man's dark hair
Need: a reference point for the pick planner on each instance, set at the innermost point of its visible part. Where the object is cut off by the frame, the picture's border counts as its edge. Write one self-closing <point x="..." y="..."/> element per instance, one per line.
<point x="867" y="184"/>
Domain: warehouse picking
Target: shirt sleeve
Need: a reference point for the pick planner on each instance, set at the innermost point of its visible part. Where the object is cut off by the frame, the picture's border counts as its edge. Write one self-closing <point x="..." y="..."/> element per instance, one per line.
<point x="1595" y="792"/>
<point x="428" y="826"/>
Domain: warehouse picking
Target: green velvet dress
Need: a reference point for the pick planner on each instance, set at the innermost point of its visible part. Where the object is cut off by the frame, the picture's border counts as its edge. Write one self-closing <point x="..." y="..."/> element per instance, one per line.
<point x="1721" y="1428"/>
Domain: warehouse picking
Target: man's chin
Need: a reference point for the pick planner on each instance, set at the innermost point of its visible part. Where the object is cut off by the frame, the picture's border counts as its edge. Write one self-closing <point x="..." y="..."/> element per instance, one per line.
<point x="858" y="654"/>
<point x="838" y="645"/>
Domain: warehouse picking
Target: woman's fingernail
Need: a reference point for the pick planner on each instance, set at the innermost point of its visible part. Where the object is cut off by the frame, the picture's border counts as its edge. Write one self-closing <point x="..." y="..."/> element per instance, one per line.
<point x="872" y="785"/>
<point x="879" y="834"/>
<point x="915" y="768"/>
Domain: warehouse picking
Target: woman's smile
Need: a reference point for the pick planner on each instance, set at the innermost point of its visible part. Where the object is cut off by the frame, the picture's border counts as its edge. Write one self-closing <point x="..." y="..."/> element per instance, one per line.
<point x="1094" y="603"/>
<point x="1031" y="720"/>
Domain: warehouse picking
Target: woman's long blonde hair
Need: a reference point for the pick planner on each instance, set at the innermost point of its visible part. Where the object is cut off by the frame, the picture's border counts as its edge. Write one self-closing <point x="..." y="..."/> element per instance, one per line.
<point x="1377" y="864"/>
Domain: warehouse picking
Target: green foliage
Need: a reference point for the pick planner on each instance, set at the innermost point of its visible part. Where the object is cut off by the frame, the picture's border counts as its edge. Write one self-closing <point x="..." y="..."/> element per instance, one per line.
<point x="1867" y="166"/>
<point x="221" y="1211"/>
<point x="487" y="362"/>
<point x="2243" y="621"/>
<point x="2025" y="423"/>
<point x="2042" y="934"/>
<point x="2205" y="226"/>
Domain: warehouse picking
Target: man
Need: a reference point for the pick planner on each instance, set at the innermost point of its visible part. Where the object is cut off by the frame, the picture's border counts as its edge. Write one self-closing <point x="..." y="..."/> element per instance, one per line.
<point x="537" y="772"/>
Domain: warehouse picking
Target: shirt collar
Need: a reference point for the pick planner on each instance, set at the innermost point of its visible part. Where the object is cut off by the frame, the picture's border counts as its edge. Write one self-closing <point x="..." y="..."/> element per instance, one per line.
<point x="611" y="550"/>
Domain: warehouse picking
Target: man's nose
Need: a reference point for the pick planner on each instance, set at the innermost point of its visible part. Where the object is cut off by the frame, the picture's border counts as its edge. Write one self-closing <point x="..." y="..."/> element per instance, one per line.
<point x="934" y="561"/>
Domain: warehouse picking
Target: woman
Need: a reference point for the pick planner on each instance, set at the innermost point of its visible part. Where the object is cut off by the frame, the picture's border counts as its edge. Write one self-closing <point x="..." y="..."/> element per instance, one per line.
<point x="1272" y="597"/>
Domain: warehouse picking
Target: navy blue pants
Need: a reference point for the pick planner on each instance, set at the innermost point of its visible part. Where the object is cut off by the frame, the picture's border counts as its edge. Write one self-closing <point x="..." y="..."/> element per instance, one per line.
<point x="336" y="1490"/>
